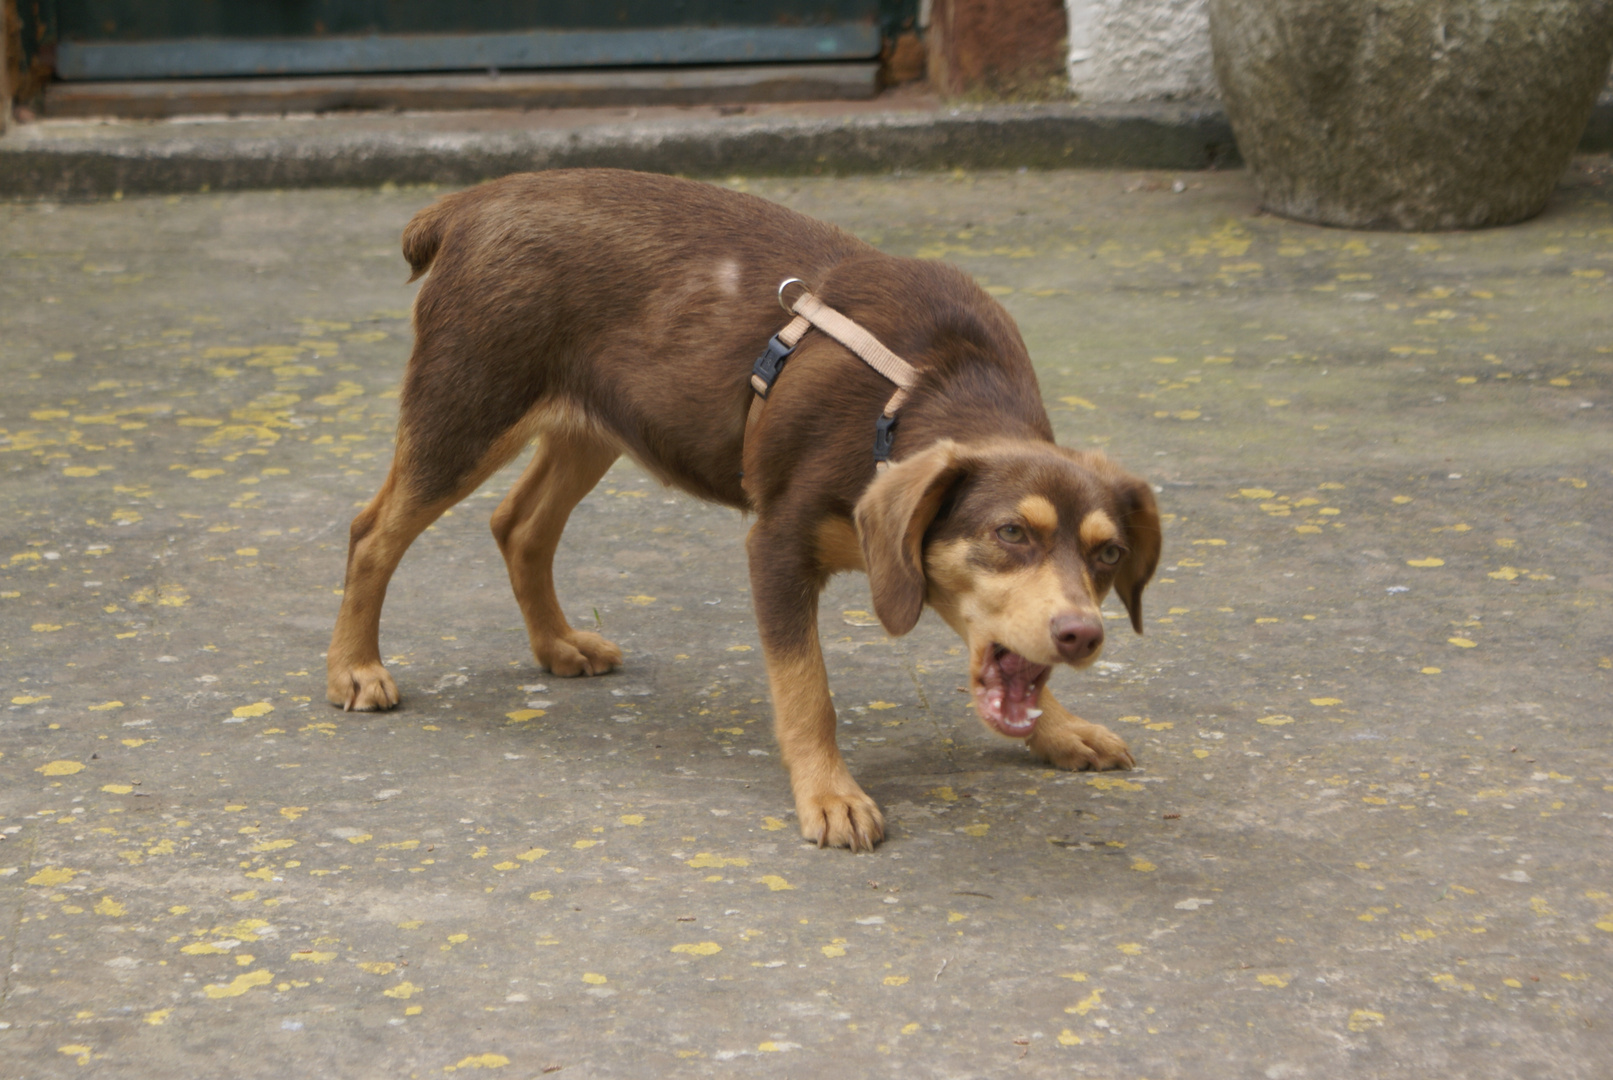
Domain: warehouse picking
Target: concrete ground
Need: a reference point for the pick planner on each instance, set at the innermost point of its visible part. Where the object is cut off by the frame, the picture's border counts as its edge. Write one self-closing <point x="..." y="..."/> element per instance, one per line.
<point x="1369" y="833"/>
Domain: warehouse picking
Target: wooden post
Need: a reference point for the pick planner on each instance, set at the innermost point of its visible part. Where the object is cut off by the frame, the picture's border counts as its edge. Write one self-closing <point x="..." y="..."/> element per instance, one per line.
<point x="998" y="48"/>
<point x="9" y="28"/>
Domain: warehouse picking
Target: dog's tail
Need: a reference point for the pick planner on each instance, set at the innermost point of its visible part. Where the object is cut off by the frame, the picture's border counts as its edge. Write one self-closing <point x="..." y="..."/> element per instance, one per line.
<point x="423" y="235"/>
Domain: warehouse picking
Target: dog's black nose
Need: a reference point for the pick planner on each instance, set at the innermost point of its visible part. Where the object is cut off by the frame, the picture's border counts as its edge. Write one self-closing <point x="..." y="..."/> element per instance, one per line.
<point x="1076" y="637"/>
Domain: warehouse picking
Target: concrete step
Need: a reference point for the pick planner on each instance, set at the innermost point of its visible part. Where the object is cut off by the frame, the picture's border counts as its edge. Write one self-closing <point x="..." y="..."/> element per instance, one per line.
<point x="727" y="85"/>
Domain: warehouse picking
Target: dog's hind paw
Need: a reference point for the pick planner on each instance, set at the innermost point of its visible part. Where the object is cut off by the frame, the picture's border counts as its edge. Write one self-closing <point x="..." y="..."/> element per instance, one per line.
<point x="848" y="819"/>
<point x="580" y="652"/>
<point x="362" y="688"/>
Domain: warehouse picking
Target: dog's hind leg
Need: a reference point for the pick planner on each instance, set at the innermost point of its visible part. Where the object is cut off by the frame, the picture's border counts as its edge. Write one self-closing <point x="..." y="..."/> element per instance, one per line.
<point x="380" y="534"/>
<point x="409" y="500"/>
<point x="527" y="525"/>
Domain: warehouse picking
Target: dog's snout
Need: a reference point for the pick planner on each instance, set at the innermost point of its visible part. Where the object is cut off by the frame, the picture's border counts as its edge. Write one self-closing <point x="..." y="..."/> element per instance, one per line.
<point x="1077" y="637"/>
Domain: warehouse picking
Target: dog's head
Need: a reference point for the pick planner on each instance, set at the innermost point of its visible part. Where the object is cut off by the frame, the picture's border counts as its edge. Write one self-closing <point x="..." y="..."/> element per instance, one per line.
<point x="1015" y="544"/>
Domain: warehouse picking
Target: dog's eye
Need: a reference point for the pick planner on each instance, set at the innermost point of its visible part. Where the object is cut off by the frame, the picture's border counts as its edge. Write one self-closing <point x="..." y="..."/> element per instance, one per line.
<point x="1012" y="534"/>
<point x="1110" y="554"/>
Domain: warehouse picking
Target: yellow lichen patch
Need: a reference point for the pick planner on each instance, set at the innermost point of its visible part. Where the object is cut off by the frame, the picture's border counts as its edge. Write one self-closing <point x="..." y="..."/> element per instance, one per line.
<point x="106" y="705"/>
<point x="239" y="985"/>
<point x="209" y="948"/>
<point x="60" y="768"/>
<point x="403" y="990"/>
<point x="1425" y="563"/>
<point x="506" y="865"/>
<point x="979" y="829"/>
<point x="292" y="813"/>
<point x="261" y="708"/>
<point x="108" y="906"/>
<point x="521" y="716"/>
<point x="706" y="858"/>
<point x="594" y="978"/>
<point x="117" y="789"/>
<point x="703" y="948"/>
<point x="479" y="1061"/>
<point x="1365" y="1019"/>
<point x="378" y="967"/>
<point x="1272" y="980"/>
<point x="157" y="1016"/>
<point x="945" y="794"/>
<point x="641" y="600"/>
<point x="896" y="980"/>
<point x="53" y="875"/>
<point x="541" y="894"/>
<point x="1086" y="1004"/>
<point x="1112" y="783"/>
<point x="1130" y="948"/>
<point x="836" y="950"/>
<point x="273" y="845"/>
<point x="345" y="391"/>
<point x="772" y="824"/>
<point x="313" y="957"/>
<point x="532" y="854"/>
<point x="1462" y="642"/>
<point x="1069" y="1038"/>
<point x="1277" y="720"/>
<point x="1326" y="701"/>
<point x="81" y="1053"/>
<point x="774" y="883"/>
<point x="631" y="819"/>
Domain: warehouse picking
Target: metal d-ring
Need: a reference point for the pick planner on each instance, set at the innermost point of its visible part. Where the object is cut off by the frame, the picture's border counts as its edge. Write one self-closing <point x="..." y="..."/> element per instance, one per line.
<point x="785" y="284"/>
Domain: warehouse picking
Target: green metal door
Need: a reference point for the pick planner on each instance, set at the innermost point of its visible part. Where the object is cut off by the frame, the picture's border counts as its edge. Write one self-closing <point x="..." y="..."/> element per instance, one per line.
<point x="161" y="39"/>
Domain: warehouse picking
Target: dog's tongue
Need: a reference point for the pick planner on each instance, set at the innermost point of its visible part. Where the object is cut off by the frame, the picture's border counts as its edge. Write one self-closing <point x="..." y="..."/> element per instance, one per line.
<point x="1006" y="692"/>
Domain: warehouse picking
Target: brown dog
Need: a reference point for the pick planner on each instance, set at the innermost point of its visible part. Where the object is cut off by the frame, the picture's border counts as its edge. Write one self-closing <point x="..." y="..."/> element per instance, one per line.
<point x="602" y="312"/>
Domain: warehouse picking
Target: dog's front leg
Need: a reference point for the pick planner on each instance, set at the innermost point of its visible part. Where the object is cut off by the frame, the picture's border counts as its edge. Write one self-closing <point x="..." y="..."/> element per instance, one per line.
<point x="785" y="583"/>
<point x="1070" y="742"/>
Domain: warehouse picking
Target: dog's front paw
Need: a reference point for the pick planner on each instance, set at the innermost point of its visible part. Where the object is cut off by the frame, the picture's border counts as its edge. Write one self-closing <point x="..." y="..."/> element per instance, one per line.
<point x="361" y="687"/>
<point x="580" y="652"/>
<point x="841" y="817"/>
<point x="1090" y="746"/>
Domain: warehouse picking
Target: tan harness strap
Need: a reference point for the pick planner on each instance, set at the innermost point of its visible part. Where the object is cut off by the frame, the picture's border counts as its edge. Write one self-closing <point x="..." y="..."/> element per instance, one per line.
<point x="810" y="311"/>
<point x="861" y="342"/>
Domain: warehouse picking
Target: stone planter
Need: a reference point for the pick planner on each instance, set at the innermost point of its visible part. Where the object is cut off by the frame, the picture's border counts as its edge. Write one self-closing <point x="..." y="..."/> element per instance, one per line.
<point x="1409" y="114"/>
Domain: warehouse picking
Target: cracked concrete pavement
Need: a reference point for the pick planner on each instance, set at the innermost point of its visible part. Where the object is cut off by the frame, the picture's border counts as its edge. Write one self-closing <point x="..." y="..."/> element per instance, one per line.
<point x="1369" y="833"/>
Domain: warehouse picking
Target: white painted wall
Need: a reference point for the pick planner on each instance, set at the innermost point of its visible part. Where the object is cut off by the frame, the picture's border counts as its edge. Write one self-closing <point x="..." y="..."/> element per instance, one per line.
<point x="1140" y="50"/>
<point x="1145" y="50"/>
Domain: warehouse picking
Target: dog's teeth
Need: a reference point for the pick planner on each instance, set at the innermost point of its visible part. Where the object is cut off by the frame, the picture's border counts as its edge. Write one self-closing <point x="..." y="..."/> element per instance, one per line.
<point x="1032" y="714"/>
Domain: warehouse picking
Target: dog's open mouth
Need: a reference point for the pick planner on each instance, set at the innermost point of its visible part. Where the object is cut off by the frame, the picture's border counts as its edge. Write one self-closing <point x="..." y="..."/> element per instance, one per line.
<point x="1006" y="688"/>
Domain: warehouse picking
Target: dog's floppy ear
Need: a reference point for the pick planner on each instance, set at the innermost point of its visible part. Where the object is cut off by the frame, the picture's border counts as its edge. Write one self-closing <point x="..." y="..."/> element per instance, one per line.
<point x="1140" y="523"/>
<point x="891" y="519"/>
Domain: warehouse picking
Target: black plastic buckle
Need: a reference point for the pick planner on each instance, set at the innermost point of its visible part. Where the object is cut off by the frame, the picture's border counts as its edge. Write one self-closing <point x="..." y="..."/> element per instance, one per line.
<point x="884" y="435"/>
<point x="768" y="365"/>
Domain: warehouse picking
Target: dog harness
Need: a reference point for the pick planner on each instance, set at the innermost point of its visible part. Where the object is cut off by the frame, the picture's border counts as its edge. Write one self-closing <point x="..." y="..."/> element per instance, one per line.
<point x="809" y="311"/>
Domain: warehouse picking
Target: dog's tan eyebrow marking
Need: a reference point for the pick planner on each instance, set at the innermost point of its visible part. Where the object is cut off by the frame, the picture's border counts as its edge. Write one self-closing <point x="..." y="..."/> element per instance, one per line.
<point x="1039" y="513"/>
<point x="1097" y="528"/>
